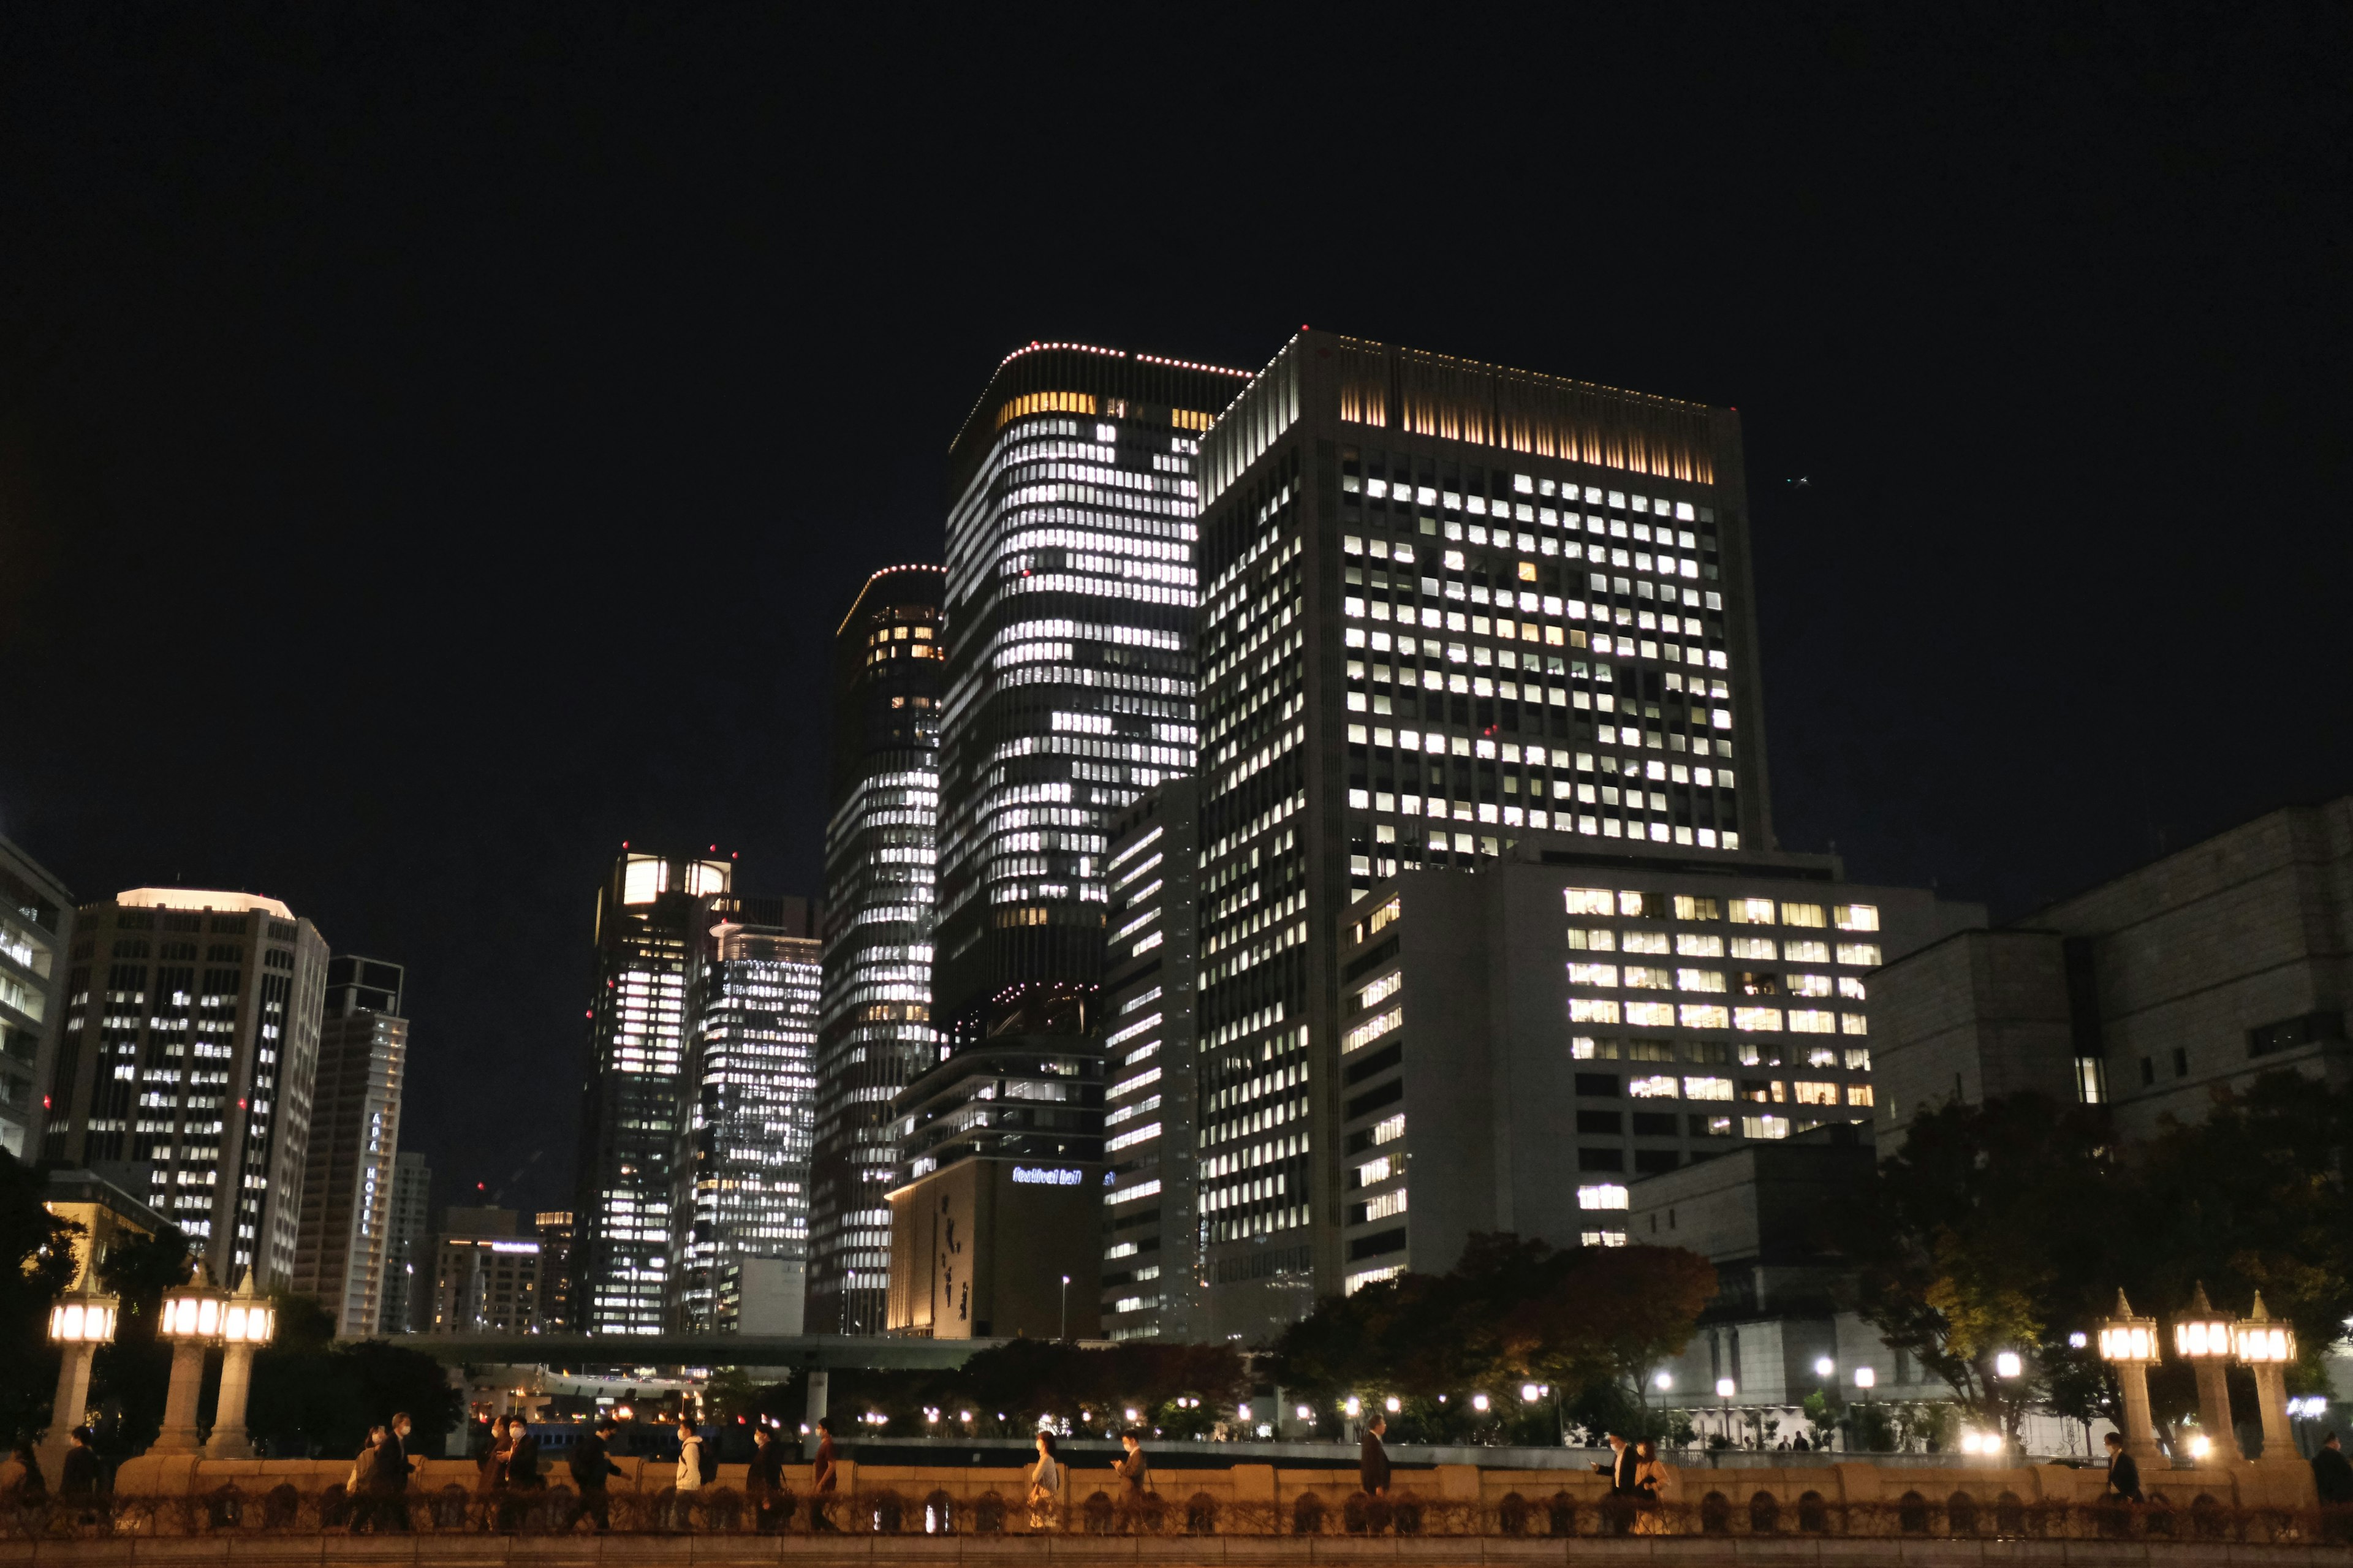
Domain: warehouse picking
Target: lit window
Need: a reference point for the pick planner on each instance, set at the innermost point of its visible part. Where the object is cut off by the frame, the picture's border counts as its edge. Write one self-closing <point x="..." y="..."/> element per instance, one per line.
<point x="1856" y="917"/>
<point x="1657" y="1087"/>
<point x="1592" y="1010"/>
<point x="1813" y="1021"/>
<point x="1597" y="940"/>
<point x="1699" y="979"/>
<point x="1754" y="947"/>
<point x="1651" y="1015"/>
<point x="1766" y="1019"/>
<point x="1707" y="1088"/>
<point x="1699" y="1015"/>
<point x="1605" y="1195"/>
<point x="1750" y="912"/>
<point x="1801" y="915"/>
<point x="1860" y="1093"/>
<point x="1642" y="978"/>
<point x="1690" y="944"/>
<point x="1808" y="1093"/>
<point x="1863" y="954"/>
<point x="1764" y="1127"/>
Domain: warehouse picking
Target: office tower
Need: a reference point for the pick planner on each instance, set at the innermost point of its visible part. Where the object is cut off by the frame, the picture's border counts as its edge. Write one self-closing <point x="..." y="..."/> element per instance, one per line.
<point x="183" y="1071"/>
<point x="1520" y="1041"/>
<point x="36" y="926"/>
<point x="408" y="1245"/>
<point x="1070" y="610"/>
<point x="1442" y="603"/>
<point x="486" y="1275"/>
<point x="874" y="1030"/>
<point x="556" y="1235"/>
<point x="1150" y="1245"/>
<point x="740" y="1189"/>
<point x="651" y="915"/>
<point x="342" y="1244"/>
<point x="2154" y="993"/>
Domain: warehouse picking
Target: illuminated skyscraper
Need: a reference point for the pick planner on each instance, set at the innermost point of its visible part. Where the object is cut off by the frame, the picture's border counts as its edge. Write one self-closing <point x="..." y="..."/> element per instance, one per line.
<point x="739" y="1191"/>
<point x="1444" y="605"/>
<point x="651" y="916"/>
<point x="36" y="924"/>
<point x="343" y="1243"/>
<point x="408" y="1249"/>
<point x="875" y="1030"/>
<point x="183" y="1069"/>
<point x="1070" y="608"/>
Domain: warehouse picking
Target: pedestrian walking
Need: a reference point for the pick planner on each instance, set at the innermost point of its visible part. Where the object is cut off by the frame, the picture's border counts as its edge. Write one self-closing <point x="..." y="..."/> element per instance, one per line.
<point x="1046" y="1486"/>
<point x="2124" y="1472"/>
<point x="491" y="1483"/>
<point x="2332" y="1473"/>
<point x="360" y="1487"/>
<point x="1134" y="1472"/>
<point x="689" y="1480"/>
<point x="1655" y="1485"/>
<point x="1624" y="1461"/>
<point x="592" y="1466"/>
<point x="824" y="1474"/>
<point x="80" y="1476"/>
<point x="24" y="1488"/>
<point x="765" y="1480"/>
<point x="524" y="1481"/>
<point x="392" y="1473"/>
<point x="1373" y="1474"/>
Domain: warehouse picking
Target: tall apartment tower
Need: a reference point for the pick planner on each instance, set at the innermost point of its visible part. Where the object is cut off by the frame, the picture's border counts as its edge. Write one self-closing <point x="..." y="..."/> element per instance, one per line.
<point x="1151" y="1254"/>
<point x="874" y="1030"/>
<point x="651" y="916"/>
<point x="1071" y="600"/>
<point x="36" y="927"/>
<point x="408" y="1246"/>
<point x="344" y="1241"/>
<point x="1442" y="601"/>
<point x="740" y="1189"/>
<point x="183" y="1070"/>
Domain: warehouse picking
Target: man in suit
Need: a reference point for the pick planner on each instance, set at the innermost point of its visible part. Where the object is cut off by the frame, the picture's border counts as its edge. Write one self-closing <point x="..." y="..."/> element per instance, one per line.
<point x="1623" y="1492"/>
<point x="2123" y="1473"/>
<point x="1373" y="1474"/>
<point x="591" y="1468"/>
<point x="1135" y="1478"/>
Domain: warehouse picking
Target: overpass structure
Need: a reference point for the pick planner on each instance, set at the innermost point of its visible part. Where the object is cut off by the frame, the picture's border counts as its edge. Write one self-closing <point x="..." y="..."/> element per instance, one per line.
<point x="805" y="1352"/>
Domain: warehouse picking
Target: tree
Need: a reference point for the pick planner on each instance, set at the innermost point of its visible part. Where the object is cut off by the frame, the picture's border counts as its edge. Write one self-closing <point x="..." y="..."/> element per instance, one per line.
<point x="36" y="1263"/>
<point x="313" y="1398"/>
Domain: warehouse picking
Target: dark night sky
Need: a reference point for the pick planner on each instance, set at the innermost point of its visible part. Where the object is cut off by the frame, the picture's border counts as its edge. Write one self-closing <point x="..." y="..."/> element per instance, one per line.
<point x="438" y="444"/>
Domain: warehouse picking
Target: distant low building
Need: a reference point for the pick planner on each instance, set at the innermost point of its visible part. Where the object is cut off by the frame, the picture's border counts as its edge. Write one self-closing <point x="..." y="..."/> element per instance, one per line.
<point x="2195" y="972"/>
<point x="486" y="1275"/>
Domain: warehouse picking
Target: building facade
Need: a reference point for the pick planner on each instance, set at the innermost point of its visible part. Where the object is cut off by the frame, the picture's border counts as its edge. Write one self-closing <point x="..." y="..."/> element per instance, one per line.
<point x="343" y="1243"/>
<point x="874" y="1032"/>
<point x="2191" y="975"/>
<point x="1442" y="603"/>
<point x="183" y="1071"/>
<point x="1071" y="598"/>
<point x="1520" y="1041"/>
<point x="1151" y="1252"/>
<point x="408" y="1246"/>
<point x="486" y="1275"/>
<point x="652" y="914"/>
<point x="741" y="1180"/>
<point x="36" y="929"/>
<point x="555" y="1229"/>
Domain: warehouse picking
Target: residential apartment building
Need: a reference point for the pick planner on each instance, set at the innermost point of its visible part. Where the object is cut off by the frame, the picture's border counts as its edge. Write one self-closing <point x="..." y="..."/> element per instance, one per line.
<point x="652" y="914"/>
<point x="1521" y="1040"/>
<point x="1070" y="608"/>
<point x="1151" y="1251"/>
<point x="36" y="929"/>
<point x="874" y="1030"/>
<point x="343" y="1245"/>
<point x="2151" y="992"/>
<point x="1444" y="605"/>
<point x="740" y="1181"/>
<point x="183" y="1070"/>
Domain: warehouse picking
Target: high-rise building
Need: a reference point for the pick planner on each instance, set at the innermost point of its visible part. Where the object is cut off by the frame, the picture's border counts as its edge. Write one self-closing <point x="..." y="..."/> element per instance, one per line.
<point x="1442" y="603"/>
<point x="874" y="1030"/>
<point x="183" y="1072"/>
<point x="740" y="1190"/>
<point x="1521" y="1040"/>
<point x="36" y="927"/>
<point x="1070" y="599"/>
<point x="651" y="916"/>
<point x="1151" y="1250"/>
<point x="342" y="1244"/>
<point x="486" y="1275"/>
<point x="556" y="1235"/>
<point x="408" y="1245"/>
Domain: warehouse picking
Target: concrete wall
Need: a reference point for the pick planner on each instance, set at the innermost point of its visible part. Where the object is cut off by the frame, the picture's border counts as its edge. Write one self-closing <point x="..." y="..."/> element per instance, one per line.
<point x="1983" y="1013"/>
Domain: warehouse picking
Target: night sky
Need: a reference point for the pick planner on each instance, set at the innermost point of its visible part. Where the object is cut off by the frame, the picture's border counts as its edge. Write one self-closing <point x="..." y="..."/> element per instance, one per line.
<point x="438" y="444"/>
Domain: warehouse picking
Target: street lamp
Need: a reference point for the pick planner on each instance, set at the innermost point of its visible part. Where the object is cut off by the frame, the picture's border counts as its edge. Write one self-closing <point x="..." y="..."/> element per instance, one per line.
<point x="191" y="1321"/>
<point x="2130" y="1345"/>
<point x="1066" y="1308"/>
<point x="2007" y="1364"/>
<point x="1724" y="1389"/>
<point x="248" y="1323"/>
<point x="2266" y="1344"/>
<point x="82" y="1320"/>
<point x="2202" y="1336"/>
<point x="1825" y="1367"/>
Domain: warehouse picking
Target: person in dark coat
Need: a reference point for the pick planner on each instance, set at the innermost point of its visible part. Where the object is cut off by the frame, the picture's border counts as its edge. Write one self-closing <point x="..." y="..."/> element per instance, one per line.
<point x="392" y="1472"/>
<point x="1373" y="1474"/>
<point x="80" y="1476"/>
<point x="2123" y="1473"/>
<point x="592" y="1466"/>
<point x="1624" y="1493"/>
<point x="764" y="1479"/>
<point x="2332" y="1473"/>
<point x="823" y="1477"/>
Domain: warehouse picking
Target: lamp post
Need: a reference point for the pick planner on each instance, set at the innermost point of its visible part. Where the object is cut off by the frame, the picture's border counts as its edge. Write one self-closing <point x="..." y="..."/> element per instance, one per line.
<point x="2266" y="1344"/>
<point x="248" y="1323"/>
<point x="1065" y="1335"/>
<point x="191" y="1321"/>
<point x="2202" y="1336"/>
<point x="2130" y="1345"/>
<point x="81" y="1320"/>
<point x="1724" y="1389"/>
